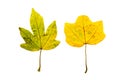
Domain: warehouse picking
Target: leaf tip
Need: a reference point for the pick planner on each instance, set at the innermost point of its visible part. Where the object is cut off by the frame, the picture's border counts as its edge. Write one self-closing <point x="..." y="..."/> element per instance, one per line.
<point x="54" y="22"/>
<point x="33" y="9"/>
<point x="19" y="28"/>
<point x="58" y="43"/>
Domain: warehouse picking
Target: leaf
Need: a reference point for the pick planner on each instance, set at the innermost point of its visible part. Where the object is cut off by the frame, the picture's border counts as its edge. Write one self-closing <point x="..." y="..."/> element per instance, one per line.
<point x="39" y="40"/>
<point x="84" y="32"/>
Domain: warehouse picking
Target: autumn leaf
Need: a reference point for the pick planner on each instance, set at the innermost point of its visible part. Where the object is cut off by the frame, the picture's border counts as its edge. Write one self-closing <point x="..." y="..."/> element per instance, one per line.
<point x="39" y="39"/>
<point x="84" y="32"/>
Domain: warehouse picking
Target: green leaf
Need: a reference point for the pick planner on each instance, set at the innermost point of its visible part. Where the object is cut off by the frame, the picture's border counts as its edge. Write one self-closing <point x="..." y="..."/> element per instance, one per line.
<point x="39" y="40"/>
<point x="29" y="47"/>
<point x="29" y="39"/>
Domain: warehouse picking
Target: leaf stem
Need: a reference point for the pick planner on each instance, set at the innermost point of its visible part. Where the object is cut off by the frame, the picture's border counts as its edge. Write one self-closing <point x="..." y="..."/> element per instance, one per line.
<point x="86" y="59"/>
<point x="40" y="61"/>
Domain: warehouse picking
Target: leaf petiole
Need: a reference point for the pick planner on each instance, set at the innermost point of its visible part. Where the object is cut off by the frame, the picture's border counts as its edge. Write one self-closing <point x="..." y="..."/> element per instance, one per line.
<point x="86" y="68"/>
<point x="40" y="61"/>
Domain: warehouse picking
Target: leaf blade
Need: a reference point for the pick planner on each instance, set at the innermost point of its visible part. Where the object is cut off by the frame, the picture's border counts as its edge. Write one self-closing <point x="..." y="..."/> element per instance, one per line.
<point x="25" y="34"/>
<point x="84" y="31"/>
<point x="72" y="36"/>
<point x="28" y="38"/>
<point x="50" y="35"/>
<point x="99" y="35"/>
<point x="37" y="26"/>
<point x="51" y="45"/>
<point x="29" y="47"/>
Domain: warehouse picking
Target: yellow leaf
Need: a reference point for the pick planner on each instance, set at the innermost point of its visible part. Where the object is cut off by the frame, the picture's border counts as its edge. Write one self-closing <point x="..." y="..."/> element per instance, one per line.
<point x="83" y="32"/>
<point x="39" y="40"/>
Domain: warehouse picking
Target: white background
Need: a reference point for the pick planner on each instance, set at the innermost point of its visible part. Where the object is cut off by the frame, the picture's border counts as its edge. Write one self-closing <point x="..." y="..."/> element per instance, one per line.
<point x="64" y="62"/>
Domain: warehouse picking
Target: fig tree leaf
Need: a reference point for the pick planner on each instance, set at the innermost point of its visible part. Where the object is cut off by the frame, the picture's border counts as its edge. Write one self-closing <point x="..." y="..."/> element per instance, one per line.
<point x="38" y="39"/>
<point x="84" y="32"/>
